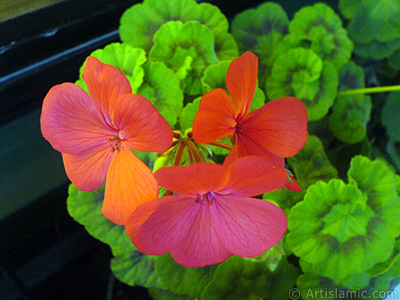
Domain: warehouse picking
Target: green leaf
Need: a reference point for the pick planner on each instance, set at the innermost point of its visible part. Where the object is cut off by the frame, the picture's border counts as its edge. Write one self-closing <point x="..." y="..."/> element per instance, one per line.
<point x="158" y="294"/>
<point x="350" y="114"/>
<point x="183" y="280"/>
<point x="336" y="231"/>
<point x="140" y="23"/>
<point x="374" y="26"/>
<point x="188" y="113"/>
<point x="311" y="164"/>
<point x="321" y="28"/>
<point x="378" y="183"/>
<point x="260" y="29"/>
<point x="240" y="278"/>
<point x="175" y="41"/>
<point x="125" y="58"/>
<point x="162" y="88"/>
<point x="85" y="208"/>
<point x="135" y="268"/>
<point x="301" y="73"/>
<point x="394" y="60"/>
<point x="391" y="116"/>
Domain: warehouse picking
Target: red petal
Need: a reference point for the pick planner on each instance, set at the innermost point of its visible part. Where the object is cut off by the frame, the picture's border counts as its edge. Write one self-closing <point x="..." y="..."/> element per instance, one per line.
<point x="241" y="80"/>
<point x="104" y="83"/>
<point x="140" y="125"/>
<point x="280" y="126"/>
<point x="293" y="185"/>
<point x="246" y="146"/>
<point x="129" y="183"/>
<point x="195" y="179"/>
<point x="157" y="227"/>
<point x="216" y="117"/>
<point x="88" y="170"/>
<point x="70" y="122"/>
<point x="248" y="227"/>
<point x="254" y="175"/>
<point x="201" y="246"/>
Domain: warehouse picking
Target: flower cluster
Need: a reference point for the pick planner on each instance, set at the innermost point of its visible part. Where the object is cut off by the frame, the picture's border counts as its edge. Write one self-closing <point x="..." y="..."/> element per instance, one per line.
<point x="207" y="213"/>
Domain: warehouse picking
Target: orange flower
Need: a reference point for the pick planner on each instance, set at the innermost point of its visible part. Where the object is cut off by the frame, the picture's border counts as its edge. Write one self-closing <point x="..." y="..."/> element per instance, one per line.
<point x="96" y="134"/>
<point x="276" y="130"/>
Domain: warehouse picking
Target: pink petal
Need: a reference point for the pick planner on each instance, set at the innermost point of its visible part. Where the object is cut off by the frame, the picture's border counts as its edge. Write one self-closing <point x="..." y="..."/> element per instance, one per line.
<point x="280" y="126"/>
<point x="69" y="120"/>
<point x="140" y="124"/>
<point x="241" y="80"/>
<point x="159" y="226"/>
<point x="247" y="146"/>
<point x="104" y="83"/>
<point x="87" y="170"/>
<point x="248" y="227"/>
<point x="201" y="246"/>
<point x="195" y="179"/>
<point x="129" y="184"/>
<point x="216" y="117"/>
<point x="254" y="175"/>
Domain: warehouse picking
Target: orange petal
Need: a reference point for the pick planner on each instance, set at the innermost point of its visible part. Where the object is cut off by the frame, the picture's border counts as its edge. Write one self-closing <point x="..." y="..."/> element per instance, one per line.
<point x="216" y="117"/>
<point x="280" y="126"/>
<point x="129" y="183"/>
<point x="195" y="179"/>
<point x="104" y="83"/>
<point x="140" y="125"/>
<point x="241" y="80"/>
<point x="70" y="122"/>
<point x="87" y="171"/>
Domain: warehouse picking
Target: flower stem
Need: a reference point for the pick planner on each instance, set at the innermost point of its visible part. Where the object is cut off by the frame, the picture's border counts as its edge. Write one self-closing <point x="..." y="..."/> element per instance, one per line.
<point x="379" y="89"/>
<point x="178" y="154"/>
<point x="193" y="150"/>
<point x="221" y="144"/>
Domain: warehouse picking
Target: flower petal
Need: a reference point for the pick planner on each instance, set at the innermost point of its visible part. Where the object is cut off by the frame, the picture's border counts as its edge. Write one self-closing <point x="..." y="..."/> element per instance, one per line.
<point x="246" y="146"/>
<point x="140" y="125"/>
<point x="280" y="126"/>
<point x="248" y="227"/>
<point x="254" y="175"/>
<point x="104" y="83"/>
<point x="87" y="170"/>
<point x="158" y="226"/>
<point x="194" y="180"/>
<point x="241" y="80"/>
<point x="201" y="246"/>
<point x="129" y="183"/>
<point x="216" y="117"/>
<point x="69" y="120"/>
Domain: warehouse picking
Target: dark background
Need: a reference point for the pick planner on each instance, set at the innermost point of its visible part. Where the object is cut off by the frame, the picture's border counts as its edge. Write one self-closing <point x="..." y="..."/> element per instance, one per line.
<point x="44" y="254"/>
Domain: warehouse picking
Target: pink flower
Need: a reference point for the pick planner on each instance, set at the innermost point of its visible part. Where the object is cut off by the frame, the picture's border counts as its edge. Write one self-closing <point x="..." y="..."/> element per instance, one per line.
<point x="212" y="216"/>
<point x="96" y="134"/>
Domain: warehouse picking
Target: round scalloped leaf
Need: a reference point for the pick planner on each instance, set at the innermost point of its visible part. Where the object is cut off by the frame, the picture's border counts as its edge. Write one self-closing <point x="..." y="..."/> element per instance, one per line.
<point x="321" y="27"/>
<point x="85" y="208"/>
<point x="394" y="60"/>
<point x="140" y="22"/>
<point x="378" y="183"/>
<point x="188" y="113"/>
<point x="377" y="50"/>
<point x="125" y="58"/>
<point x="391" y="116"/>
<point x="260" y="29"/>
<point x="158" y="294"/>
<point x="135" y="268"/>
<point x="176" y="42"/>
<point x="162" y="88"/>
<point x="240" y="278"/>
<point x="302" y="74"/>
<point x="182" y="280"/>
<point x="336" y="231"/>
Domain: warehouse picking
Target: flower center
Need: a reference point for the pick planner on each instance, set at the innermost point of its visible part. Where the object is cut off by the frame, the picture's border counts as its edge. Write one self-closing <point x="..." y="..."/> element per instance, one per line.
<point x="115" y="142"/>
<point x="207" y="198"/>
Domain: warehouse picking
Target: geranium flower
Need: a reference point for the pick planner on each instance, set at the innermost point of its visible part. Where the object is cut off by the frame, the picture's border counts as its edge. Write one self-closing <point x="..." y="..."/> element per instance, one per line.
<point x="212" y="216"/>
<point x="96" y="133"/>
<point x="276" y="130"/>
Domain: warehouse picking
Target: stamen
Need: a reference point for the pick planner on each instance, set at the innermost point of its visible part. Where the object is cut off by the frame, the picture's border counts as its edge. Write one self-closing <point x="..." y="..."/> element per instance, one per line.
<point x="115" y="142"/>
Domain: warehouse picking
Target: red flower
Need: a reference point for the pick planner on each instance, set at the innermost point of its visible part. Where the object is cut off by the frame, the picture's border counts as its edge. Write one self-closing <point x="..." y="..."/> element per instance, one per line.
<point x="96" y="133"/>
<point x="276" y="130"/>
<point x="212" y="216"/>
